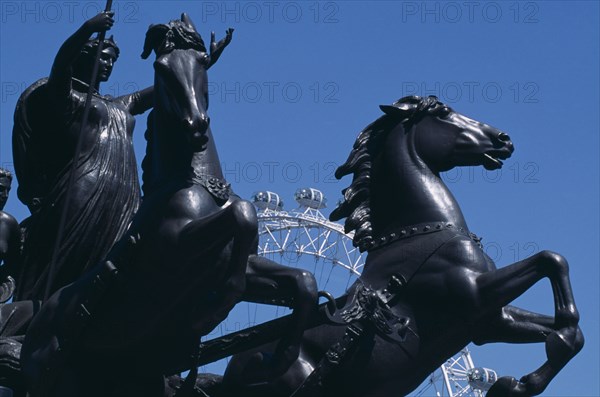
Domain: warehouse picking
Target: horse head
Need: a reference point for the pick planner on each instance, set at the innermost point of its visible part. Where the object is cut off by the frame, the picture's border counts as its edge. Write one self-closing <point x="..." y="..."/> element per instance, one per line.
<point x="396" y="163"/>
<point x="180" y="141"/>
<point x="181" y="87"/>
<point x="444" y="138"/>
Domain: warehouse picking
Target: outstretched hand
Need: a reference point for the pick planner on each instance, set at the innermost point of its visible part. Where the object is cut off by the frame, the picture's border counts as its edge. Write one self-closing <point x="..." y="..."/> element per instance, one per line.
<point x="101" y="22"/>
<point x="214" y="46"/>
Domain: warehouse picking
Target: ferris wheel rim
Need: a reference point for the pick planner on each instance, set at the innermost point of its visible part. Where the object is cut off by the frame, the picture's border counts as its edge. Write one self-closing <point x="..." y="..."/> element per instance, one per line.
<point x="272" y="222"/>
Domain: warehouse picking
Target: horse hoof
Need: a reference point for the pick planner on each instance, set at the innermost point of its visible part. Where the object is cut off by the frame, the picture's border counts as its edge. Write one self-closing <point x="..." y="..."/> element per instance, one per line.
<point x="507" y="386"/>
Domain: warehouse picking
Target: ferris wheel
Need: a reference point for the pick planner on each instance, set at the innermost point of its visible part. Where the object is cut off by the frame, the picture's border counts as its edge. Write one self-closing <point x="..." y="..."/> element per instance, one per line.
<point x="303" y="237"/>
<point x="458" y="377"/>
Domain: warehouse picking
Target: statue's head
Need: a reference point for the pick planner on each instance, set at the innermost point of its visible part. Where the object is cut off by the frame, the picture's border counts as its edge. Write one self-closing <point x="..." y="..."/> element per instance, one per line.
<point x="85" y="62"/>
<point x="5" y="183"/>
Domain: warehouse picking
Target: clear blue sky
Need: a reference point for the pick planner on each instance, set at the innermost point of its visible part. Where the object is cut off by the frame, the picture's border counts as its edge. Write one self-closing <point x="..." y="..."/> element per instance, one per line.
<point x="301" y="79"/>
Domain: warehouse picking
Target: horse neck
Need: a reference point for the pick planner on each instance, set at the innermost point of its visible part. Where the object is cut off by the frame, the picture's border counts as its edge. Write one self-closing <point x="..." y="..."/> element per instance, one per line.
<point x="406" y="191"/>
<point x="172" y="158"/>
<point x="207" y="162"/>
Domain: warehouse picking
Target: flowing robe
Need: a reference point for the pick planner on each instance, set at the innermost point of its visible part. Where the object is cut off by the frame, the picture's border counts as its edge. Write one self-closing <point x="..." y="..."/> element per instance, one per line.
<point x="105" y="193"/>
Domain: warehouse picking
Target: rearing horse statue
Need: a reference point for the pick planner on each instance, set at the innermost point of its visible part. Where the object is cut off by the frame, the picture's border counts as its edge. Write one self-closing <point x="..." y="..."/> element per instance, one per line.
<point x="187" y="259"/>
<point x="428" y="288"/>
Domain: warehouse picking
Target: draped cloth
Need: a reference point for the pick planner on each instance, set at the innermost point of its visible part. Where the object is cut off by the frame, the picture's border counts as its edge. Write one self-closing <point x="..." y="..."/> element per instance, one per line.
<point x="105" y="193"/>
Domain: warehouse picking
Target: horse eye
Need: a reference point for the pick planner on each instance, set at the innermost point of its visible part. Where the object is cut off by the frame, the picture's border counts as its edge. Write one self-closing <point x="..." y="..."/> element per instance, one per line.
<point x="444" y="112"/>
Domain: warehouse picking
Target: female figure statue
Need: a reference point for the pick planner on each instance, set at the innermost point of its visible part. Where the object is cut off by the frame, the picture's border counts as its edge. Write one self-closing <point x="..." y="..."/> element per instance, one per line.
<point x="105" y="193"/>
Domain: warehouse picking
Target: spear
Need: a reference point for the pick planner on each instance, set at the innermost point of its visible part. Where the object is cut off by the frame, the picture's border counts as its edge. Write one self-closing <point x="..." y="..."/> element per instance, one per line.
<point x="86" y="112"/>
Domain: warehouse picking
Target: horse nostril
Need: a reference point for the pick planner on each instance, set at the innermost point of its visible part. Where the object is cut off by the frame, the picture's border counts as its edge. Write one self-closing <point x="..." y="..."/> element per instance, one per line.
<point x="205" y="120"/>
<point x="502" y="137"/>
<point x="188" y="124"/>
<point x="199" y="123"/>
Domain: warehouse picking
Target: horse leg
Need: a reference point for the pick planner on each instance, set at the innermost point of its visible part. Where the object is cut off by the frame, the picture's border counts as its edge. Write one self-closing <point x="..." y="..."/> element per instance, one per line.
<point x="236" y="223"/>
<point x="268" y="281"/>
<point x="237" y="220"/>
<point x="500" y="287"/>
<point x="514" y="325"/>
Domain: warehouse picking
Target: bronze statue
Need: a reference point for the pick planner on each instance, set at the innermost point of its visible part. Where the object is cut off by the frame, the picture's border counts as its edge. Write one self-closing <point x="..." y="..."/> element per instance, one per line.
<point x="186" y="260"/>
<point x="136" y="285"/>
<point x="427" y="288"/>
<point x="105" y="191"/>
<point x="14" y="317"/>
<point x="10" y="241"/>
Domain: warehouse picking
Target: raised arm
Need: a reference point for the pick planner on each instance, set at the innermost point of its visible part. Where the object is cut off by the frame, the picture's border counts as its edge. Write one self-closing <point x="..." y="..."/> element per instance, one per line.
<point x="216" y="49"/>
<point x="62" y="68"/>
<point x="140" y="101"/>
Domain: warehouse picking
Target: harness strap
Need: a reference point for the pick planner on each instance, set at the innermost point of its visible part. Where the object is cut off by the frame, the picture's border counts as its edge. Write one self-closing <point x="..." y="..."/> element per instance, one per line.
<point x="218" y="187"/>
<point x="416" y="230"/>
<point x="336" y="355"/>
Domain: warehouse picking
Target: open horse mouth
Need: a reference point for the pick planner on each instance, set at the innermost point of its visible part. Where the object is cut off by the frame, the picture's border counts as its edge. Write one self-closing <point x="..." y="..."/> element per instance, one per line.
<point x="491" y="160"/>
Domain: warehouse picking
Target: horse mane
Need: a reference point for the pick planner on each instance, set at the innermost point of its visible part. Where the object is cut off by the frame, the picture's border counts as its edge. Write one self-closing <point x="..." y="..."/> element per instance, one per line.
<point x="356" y="205"/>
<point x="164" y="38"/>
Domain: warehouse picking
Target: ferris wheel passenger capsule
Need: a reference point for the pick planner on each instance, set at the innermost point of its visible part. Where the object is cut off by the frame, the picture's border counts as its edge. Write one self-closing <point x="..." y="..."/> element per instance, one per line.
<point x="311" y="198"/>
<point x="481" y="378"/>
<point x="266" y="200"/>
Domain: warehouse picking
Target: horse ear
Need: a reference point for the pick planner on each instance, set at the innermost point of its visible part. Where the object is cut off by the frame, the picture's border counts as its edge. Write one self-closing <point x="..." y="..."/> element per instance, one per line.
<point x="154" y="35"/>
<point x="188" y="21"/>
<point x="402" y="106"/>
<point x="398" y="109"/>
